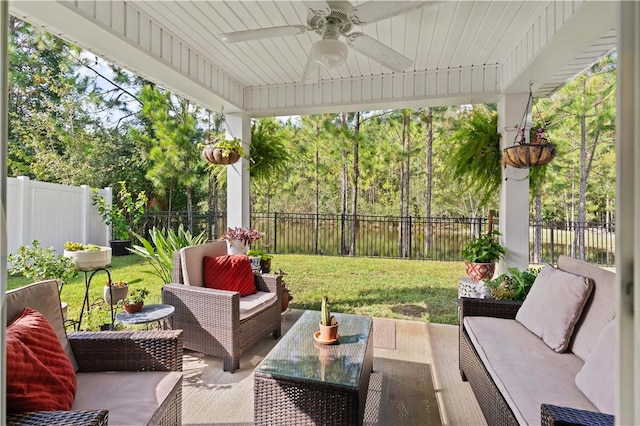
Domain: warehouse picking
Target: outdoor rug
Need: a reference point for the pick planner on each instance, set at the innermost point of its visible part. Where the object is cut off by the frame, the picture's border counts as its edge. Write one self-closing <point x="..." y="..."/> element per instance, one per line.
<point x="401" y="393"/>
<point x="384" y="333"/>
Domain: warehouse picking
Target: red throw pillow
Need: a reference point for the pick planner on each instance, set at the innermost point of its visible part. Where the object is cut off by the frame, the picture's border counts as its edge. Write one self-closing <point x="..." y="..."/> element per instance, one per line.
<point x="40" y="376"/>
<point x="230" y="272"/>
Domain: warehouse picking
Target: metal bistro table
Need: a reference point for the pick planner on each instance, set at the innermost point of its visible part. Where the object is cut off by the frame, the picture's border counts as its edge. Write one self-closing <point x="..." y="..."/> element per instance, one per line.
<point x="149" y="313"/>
<point x="303" y="382"/>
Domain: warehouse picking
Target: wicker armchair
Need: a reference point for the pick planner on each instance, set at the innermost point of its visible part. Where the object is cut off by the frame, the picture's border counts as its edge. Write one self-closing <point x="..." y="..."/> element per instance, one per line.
<point x="148" y="353"/>
<point x="214" y="321"/>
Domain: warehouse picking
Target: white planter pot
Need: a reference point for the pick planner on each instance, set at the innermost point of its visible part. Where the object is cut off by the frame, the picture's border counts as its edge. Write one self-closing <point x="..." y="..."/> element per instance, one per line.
<point x="90" y="260"/>
<point x="237" y="247"/>
<point x="118" y="294"/>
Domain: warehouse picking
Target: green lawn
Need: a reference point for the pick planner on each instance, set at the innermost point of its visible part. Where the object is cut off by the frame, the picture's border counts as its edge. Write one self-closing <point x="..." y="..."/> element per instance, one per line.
<point x="403" y="289"/>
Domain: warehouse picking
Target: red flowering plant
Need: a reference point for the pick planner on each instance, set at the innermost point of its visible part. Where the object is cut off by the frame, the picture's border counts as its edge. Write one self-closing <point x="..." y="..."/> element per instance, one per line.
<point x="246" y="235"/>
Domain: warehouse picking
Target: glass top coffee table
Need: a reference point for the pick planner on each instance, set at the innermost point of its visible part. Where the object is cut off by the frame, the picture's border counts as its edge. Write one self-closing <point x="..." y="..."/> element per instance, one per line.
<point x="304" y="382"/>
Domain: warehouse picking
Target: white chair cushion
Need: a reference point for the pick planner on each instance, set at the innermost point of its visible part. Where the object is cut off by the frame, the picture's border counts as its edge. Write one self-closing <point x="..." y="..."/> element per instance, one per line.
<point x="132" y="398"/>
<point x="252" y="304"/>
<point x="192" y="259"/>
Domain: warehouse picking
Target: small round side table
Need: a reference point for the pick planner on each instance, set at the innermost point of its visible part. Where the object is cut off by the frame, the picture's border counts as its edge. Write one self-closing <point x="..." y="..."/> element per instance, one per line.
<point x="148" y="314"/>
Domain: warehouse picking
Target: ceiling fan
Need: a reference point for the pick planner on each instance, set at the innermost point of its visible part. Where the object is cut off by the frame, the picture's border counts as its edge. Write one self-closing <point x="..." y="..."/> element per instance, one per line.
<point x="335" y="19"/>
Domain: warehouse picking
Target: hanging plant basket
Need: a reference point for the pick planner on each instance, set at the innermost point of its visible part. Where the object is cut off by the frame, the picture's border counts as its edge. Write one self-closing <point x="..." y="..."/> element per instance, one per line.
<point x="220" y="156"/>
<point x="525" y="156"/>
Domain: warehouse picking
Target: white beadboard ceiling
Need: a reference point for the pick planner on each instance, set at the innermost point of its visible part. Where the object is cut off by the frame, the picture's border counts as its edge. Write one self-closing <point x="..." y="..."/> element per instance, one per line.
<point x="462" y="51"/>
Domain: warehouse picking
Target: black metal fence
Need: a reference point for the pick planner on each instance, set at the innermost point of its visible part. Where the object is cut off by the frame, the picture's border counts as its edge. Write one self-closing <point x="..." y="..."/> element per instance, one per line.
<point x="435" y="238"/>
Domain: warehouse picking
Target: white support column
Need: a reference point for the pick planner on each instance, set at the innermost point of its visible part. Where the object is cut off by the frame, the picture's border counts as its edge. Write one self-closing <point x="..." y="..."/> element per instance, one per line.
<point x="514" y="191"/>
<point x="628" y="215"/>
<point x="4" y="131"/>
<point x="238" y="209"/>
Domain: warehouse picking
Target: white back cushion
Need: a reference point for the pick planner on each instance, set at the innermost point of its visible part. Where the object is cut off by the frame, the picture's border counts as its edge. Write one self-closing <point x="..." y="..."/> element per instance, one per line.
<point x="192" y="258"/>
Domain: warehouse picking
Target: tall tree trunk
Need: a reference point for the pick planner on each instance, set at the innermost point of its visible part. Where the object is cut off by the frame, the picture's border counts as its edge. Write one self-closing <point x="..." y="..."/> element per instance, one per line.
<point x="316" y="222"/>
<point x="189" y="192"/>
<point x="356" y="175"/>
<point x="344" y="189"/>
<point x="429" y="183"/>
<point x="582" y="202"/>
<point x="406" y="136"/>
<point x="537" y="233"/>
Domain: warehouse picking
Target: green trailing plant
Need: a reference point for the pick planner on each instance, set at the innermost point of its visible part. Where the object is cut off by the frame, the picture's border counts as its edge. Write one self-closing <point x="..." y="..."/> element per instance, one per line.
<point x="73" y="246"/>
<point x="159" y="251"/>
<point x="125" y="217"/>
<point x="484" y="249"/>
<point x="515" y="286"/>
<point x="476" y="158"/>
<point x="38" y="264"/>
<point x="325" y="314"/>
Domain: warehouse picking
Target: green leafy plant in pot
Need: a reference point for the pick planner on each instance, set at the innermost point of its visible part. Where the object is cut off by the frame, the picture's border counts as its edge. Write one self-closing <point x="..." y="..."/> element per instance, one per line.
<point x="328" y="323"/>
<point x="134" y="300"/>
<point x="123" y="218"/>
<point x="514" y="286"/>
<point x="265" y="259"/>
<point x="481" y="255"/>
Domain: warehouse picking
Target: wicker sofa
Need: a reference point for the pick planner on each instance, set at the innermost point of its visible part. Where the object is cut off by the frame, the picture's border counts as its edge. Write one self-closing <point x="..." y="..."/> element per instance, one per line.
<point x="220" y="322"/>
<point x="123" y="378"/>
<point x="518" y="379"/>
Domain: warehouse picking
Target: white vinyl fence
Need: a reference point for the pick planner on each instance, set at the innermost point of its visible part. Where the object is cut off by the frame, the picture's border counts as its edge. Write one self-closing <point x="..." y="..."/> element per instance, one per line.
<point x="53" y="214"/>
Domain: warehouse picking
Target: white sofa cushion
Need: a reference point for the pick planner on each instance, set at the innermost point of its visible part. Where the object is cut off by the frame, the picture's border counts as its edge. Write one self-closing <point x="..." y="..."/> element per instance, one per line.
<point x="524" y="369"/>
<point x="254" y="303"/>
<point x="600" y="308"/>
<point x="554" y="305"/>
<point x="597" y="377"/>
<point x="132" y="398"/>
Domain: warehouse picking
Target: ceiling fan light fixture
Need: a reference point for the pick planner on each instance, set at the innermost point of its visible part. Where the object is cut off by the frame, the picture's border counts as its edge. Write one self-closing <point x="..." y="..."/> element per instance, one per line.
<point x="329" y="53"/>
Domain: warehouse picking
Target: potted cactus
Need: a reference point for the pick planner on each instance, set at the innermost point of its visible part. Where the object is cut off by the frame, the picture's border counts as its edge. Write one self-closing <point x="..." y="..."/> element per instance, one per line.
<point x="328" y="324"/>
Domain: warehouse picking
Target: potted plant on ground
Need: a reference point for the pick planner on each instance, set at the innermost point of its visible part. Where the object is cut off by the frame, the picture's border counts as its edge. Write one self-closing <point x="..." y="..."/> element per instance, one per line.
<point x="87" y="257"/>
<point x="115" y="291"/>
<point x="481" y="255"/>
<point x="134" y="300"/>
<point x="219" y="150"/>
<point x="328" y="325"/>
<point x="238" y="239"/>
<point x="123" y="218"/>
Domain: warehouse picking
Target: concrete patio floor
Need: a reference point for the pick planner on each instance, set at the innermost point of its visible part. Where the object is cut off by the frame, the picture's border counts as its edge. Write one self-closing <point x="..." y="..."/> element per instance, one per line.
<point x="213" y="397"/>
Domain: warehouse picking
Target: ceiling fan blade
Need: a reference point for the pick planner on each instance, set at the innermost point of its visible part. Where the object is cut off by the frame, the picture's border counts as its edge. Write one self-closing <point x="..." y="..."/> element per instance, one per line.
<point x="237" y="36"/>
<point x="378" y="51"/>
<point x="311" y="71"/>
<point x="373" y="11"/>
<point x="317" y="8"/>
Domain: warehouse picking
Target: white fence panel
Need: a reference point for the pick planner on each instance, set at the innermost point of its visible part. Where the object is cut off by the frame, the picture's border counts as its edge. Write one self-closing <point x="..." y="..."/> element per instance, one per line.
<point x="53" y="214"/>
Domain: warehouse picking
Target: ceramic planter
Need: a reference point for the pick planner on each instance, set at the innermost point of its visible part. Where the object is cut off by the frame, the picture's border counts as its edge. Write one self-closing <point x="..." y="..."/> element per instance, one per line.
<point x="89" y="260"/>
<point x="237" y="247"/>
<point x="116" y="294"/>
<point x="480" y="271"/>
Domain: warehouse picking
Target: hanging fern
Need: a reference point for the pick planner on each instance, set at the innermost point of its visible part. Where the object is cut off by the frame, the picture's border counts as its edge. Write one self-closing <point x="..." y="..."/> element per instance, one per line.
<point x="476" y="158"/>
